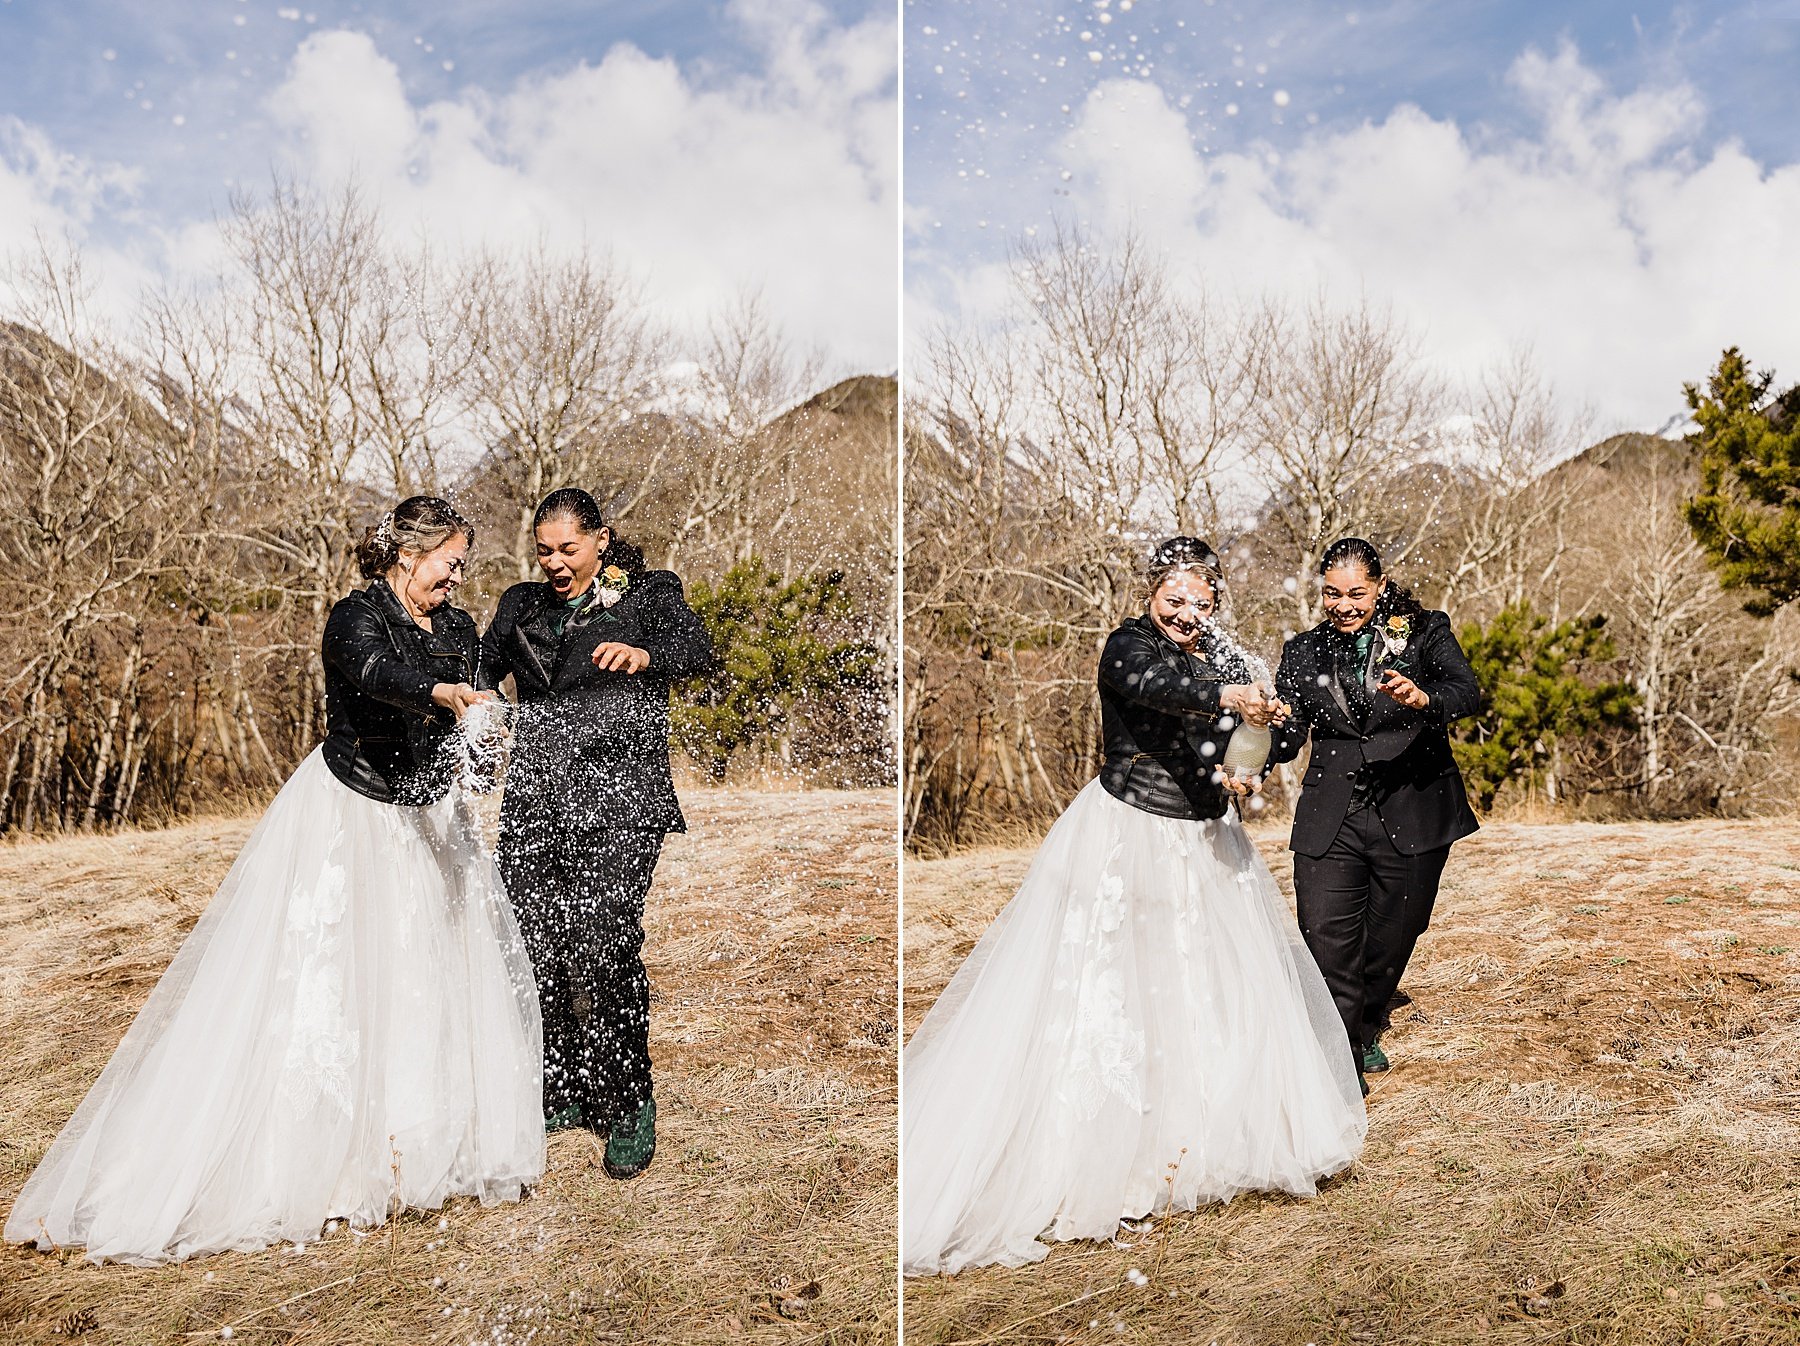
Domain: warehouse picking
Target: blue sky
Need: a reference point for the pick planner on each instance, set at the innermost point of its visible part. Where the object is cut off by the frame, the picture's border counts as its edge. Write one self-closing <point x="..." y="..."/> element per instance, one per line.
<point x="1106" y="111"/>
<point x="131" y="123"/>
<point x="84" y="69"/>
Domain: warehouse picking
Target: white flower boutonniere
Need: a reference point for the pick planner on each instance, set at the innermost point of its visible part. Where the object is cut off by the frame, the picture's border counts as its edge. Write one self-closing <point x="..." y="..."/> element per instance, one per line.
<point x="613" y="584"/>
<point x="1395" y="634"/>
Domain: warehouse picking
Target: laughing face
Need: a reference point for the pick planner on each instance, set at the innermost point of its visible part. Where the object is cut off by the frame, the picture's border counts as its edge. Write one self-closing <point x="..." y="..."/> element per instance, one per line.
<point x="1182" y="605"/>
<point x="568" y="556"/>
<point x="429" y="578"/>
<point x="1349" y="596"/>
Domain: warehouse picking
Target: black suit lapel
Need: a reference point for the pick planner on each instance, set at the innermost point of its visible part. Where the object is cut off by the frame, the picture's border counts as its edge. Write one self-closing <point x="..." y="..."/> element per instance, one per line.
<point x="593" y="625"/>
<point x="529" y="621"/>
<point x="1385" y="706"/>
<point x="1324" y="674"/>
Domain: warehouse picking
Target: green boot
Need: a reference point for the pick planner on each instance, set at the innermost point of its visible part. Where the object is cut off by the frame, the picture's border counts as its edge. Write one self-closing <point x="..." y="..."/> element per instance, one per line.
<point x="1374" y="1059"/>
<point x="632" y="1143"/>
<point x="563" y="1118"/>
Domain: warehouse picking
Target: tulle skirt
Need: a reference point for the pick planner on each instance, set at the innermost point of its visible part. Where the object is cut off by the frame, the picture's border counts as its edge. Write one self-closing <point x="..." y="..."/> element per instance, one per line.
<point x="351" y="1027"/>
<point x="1140" y="1028"/>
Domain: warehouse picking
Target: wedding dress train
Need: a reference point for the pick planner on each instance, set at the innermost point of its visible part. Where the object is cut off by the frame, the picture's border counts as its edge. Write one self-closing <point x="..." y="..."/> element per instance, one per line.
<point x="351" y="1027"/>
<point x="1141" y="1027"/>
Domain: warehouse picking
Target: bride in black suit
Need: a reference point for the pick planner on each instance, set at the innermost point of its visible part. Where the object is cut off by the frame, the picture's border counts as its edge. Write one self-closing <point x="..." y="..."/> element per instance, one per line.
<point x="594" y="650"/>
<point x="1376" y="684"/>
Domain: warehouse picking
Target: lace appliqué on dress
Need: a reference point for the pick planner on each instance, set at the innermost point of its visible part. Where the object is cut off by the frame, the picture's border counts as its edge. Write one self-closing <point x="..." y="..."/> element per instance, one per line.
<point x="1106" y="1051"/>
<point x="321" y="1046"/>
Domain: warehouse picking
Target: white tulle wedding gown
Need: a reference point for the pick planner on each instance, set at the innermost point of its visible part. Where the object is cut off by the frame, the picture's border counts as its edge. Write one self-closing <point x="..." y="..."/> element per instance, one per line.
<point x="351" y="1024"/>
<point x="1141" y="1027"/>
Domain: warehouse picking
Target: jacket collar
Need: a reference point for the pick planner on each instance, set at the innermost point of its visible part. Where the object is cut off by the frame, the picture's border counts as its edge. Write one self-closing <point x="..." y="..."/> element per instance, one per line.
<point x="1325" y="661"/>
<point x="544" y="600"/>
<point x="380" y="595"/>
<point x="1161" y="637"/>
<point x="1168" y="648"/>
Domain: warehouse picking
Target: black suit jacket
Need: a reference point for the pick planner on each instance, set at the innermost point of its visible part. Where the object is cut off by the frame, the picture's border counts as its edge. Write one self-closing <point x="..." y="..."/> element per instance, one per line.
<point x="1406" y="753"/>
<point x="384" y="734"/>
<point x="591" y="748"/>
<point x="1161" y="724"/>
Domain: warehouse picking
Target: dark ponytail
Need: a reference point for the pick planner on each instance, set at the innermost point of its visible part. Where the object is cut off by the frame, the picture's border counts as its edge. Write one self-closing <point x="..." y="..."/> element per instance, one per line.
<point x="582" y="510"/>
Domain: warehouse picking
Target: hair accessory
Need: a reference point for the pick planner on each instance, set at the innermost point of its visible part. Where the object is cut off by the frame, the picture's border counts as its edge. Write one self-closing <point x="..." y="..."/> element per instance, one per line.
<point x="1183" y="553"/>
<point x="384" y="531"/>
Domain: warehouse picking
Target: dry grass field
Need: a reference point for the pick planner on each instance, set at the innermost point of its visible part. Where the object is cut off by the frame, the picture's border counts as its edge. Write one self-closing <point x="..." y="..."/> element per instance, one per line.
<point x="1591" y="1132"/>
<point x="768" y="1215"/>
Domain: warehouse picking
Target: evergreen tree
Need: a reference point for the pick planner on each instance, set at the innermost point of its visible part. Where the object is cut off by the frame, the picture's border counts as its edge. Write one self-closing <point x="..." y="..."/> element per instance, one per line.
<point x="1535" y="688"/>
<point x="778" y="644"/>
<point x="1746" y="515"/>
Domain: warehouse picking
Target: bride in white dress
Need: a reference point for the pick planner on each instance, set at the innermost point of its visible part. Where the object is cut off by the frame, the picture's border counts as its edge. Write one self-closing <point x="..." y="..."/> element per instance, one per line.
<point x="1141" y="1027"/>
<point x="352" y="1026"/>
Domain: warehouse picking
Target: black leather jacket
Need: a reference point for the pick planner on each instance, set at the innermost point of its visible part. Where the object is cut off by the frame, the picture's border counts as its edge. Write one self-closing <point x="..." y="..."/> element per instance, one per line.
<point x="384" y="733"/>
<point x="1396" y="757"/>
<point x="591" y="748"/>
<point x="1160" y="722"/>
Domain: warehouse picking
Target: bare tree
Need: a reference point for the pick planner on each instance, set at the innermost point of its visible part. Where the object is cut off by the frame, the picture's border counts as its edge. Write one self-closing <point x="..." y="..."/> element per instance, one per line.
<point x="746" y="472"/>
<point x="564" y="359"/>
<point x="95" y="499"/>
<point x="1507" y="514"/>
<point x="347" y="362"/>
<point x="1347" y="439"/>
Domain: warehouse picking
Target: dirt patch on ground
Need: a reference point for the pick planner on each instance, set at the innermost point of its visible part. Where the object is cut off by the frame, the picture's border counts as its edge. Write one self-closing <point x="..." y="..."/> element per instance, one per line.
<point x="769" y="1212"/>
<point x="1591" y="1132"/>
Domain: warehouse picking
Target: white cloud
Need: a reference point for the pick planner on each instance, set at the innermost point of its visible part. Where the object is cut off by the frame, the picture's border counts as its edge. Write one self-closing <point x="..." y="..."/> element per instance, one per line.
<point x="700" y="181"/>
<point x="50" y="199"/>
<point x="1625" y="250"/>
<point x="346" y="102"/>
<point x="781" y="181"/>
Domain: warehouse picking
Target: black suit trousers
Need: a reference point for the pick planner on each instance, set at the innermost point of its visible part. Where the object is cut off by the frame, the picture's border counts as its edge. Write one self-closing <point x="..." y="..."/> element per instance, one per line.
<point x="579" y="894"/>
<point x="1362" y="907"/>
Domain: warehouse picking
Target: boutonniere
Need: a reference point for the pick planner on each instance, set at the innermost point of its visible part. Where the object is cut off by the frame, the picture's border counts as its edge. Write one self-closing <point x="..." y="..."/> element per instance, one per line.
<point x="1395" y="634"/>
<point x="613" y="584"/>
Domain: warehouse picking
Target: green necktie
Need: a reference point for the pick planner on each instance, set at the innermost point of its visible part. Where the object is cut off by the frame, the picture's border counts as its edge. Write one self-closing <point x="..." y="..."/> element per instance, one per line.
<point x="1350" y="675"/>
<point x="570" y="607"/>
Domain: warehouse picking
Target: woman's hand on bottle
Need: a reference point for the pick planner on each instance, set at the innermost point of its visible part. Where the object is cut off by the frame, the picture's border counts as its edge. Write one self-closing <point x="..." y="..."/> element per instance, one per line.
<point x="1247" y="702"/>
<point x="1241" y="786"/>
<point x="614" y="656"/>
<point x="458" y="697"/>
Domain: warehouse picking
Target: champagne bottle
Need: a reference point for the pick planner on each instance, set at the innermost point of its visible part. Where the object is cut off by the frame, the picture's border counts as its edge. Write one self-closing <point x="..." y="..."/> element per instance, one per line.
<point x="1248" y="749"/>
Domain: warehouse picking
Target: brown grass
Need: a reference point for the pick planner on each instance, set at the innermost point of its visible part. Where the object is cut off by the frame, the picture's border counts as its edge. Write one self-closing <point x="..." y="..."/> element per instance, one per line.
<point x="1591" y="1132"/>
<point x="771" y="952"/>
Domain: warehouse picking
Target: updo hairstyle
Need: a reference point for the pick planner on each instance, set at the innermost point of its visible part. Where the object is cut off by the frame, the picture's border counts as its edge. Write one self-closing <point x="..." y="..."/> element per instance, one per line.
<point x="419" y="523"/>
<point x="1185" y="553"/>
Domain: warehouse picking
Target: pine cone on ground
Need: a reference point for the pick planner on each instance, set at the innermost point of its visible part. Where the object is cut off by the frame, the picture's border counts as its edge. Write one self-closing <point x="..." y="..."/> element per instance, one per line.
<point x="76" y="1323"/>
